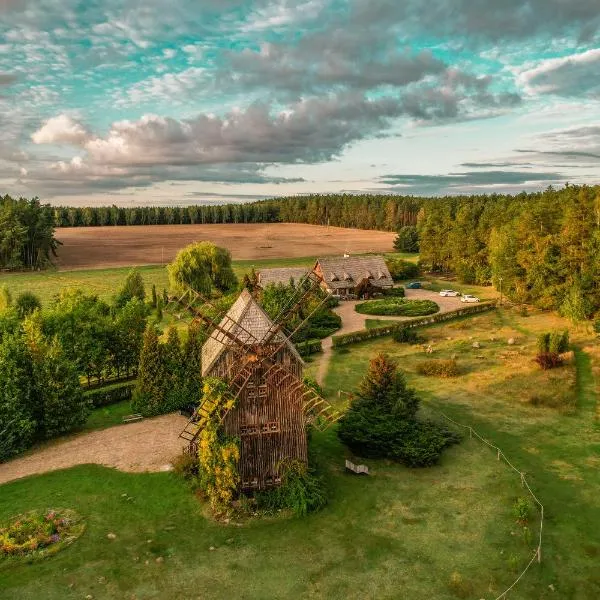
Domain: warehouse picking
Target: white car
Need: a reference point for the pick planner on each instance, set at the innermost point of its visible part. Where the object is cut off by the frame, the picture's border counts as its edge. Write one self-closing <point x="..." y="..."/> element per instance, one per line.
<point x="446" y="293"/>
<point x="469" y="298"/>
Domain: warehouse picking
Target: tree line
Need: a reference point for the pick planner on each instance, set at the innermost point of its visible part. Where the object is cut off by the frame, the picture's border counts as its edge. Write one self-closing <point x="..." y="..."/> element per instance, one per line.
<point x="341" y="210"/>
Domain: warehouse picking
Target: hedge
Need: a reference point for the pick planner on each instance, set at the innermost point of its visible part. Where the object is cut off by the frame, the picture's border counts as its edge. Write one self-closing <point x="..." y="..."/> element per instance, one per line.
<point x="111" y="394"/>
<point x="367" y="334"/>
<point x="309" y="347"/>
<point x="397" y="307"/>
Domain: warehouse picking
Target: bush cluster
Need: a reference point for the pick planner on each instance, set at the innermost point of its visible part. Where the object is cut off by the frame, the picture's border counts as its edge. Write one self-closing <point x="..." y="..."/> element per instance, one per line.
<point x="398" y="307"/>
<point x="382" y="420"/>
<point x="402" y="269"/>
<point x="309" y="347"/>
<point x="301" y="491"/>
<point x="438" y="368"/>
<point x="550" y="346"/>
<point x="406" y="336"/>
<point x="395" y="292"/>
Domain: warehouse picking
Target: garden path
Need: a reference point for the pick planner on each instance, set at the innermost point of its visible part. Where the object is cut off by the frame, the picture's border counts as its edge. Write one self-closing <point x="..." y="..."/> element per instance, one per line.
<point x="353" y="321"/>
<point x="148" y="445"/>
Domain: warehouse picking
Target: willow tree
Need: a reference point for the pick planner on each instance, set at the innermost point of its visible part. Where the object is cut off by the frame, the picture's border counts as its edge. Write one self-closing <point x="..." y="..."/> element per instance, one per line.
<point x="204" y="267"/>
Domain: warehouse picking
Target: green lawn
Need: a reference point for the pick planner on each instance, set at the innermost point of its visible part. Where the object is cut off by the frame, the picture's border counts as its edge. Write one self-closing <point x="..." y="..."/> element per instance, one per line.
<point x="559" y="448"/>
<point x="107" y="416"/>
<point x="389" y="535"/>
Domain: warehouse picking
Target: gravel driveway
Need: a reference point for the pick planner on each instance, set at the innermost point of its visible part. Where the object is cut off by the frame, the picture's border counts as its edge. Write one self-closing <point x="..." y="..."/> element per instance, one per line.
<point x="148" y="445"/>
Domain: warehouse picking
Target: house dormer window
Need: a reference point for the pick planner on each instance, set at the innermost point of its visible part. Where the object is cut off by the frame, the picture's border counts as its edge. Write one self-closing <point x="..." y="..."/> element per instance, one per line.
<point x="347" y="277"/>
<point x="369" y="275"/>
<point x="333" y="277"/>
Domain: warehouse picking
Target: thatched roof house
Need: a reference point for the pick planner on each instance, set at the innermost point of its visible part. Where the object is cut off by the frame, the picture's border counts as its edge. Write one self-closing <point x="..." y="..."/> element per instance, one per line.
<point x="342" y="275"/>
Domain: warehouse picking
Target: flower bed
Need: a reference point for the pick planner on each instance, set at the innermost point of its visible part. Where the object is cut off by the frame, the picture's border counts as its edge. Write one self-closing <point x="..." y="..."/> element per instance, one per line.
<point x="398" y="307"/>
<point x="38" y="534"/>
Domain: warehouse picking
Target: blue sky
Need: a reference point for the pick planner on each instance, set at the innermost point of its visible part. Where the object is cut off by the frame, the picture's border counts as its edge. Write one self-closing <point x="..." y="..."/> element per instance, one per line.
<point x="196" y="101"/>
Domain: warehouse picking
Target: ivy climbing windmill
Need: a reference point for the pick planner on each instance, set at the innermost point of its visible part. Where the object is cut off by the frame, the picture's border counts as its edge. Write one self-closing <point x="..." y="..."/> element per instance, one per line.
<point x="270" y="404"/>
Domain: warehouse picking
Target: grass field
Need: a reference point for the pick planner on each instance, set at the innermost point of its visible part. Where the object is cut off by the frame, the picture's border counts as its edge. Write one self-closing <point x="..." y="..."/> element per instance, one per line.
<point x="504" y="395"/>
<point x="384" y="536"/>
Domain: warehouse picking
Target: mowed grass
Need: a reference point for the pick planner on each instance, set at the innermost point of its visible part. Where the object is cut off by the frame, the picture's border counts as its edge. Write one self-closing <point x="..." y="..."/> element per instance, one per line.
<point x="105" y="282"/>
<point x="398" y="533"/>
<point x="546" y="423"/>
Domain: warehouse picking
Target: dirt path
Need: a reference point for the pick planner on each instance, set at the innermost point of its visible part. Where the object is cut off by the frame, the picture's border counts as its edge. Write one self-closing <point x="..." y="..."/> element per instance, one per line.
<point x="147" y="445"/>
<point x="353" y="321"/>
<point x="100" y="247"/>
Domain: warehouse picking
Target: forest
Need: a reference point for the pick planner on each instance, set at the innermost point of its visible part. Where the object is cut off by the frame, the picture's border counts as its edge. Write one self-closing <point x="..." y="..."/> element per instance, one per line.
<point x="26" y="234"/>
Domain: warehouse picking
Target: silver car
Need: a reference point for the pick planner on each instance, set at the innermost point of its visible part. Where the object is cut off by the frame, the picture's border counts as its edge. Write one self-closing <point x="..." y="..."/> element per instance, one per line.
<point x="469" y="298"/>
<point x="447" y="293"/>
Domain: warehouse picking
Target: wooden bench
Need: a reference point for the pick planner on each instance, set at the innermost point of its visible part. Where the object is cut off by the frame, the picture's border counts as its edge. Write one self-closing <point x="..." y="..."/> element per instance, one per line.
<point x="132" y="418"/>
<point x="358" y="469"/>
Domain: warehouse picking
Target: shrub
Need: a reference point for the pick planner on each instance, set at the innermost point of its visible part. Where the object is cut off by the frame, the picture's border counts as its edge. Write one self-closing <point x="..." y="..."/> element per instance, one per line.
<point x="543" y="343"/>
<point x="405" y="336"/>
<point x="26" y="303"/>
<point x="521" y="510"/>
<point x="395" y="292"/>
<point x="301" y="491"/>
<point x="111" y="394"/>
<point x="186" y="465"/>
<point x="555" y="342"/>
<point x="381" y="421"/>
<point x="398" y="307"/>
<point x="402" y="269"/>
<point x="548" y="360"/>
<point x="309" y="347"/>
<point x="439" y="368"/>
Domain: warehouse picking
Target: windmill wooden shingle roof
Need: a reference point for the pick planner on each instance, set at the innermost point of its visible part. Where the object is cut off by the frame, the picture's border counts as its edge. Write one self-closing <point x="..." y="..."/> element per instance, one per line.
<point x="244" y="319"/>
<point x="348" y="271"/>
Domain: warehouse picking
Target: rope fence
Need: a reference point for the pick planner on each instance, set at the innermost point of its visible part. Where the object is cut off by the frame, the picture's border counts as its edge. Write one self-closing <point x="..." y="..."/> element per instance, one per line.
<point x="501" y="456"/>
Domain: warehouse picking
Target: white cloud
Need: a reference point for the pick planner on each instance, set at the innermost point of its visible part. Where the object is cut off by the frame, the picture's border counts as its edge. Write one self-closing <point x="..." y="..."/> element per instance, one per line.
<point x="568" y="75"/>
<point x="62" y="129"/>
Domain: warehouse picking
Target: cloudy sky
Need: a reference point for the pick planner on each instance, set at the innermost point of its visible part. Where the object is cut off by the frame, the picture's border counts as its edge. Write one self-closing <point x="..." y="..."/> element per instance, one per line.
<point x="189" y="101"/>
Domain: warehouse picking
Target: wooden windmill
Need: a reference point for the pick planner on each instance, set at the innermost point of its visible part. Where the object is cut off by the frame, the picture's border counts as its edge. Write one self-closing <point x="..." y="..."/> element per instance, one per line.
<point x="257" y="359"/>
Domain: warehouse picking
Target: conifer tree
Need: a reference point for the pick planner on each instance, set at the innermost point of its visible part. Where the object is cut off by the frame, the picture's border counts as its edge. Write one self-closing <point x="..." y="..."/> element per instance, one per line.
<point x="154" y="297"/>
<point x="149" y="392"/>
<point x="192" y="364"/>
<point x="132" y="288"/>
<point x="173" y="359"/>
<point x="5" y="298"/>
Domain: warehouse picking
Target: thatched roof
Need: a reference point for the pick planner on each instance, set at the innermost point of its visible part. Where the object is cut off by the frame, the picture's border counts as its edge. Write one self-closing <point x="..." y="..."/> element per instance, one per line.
<point x="349" y="271"/>
<point x="282" y="275"/>
<point x="245" y="317"/>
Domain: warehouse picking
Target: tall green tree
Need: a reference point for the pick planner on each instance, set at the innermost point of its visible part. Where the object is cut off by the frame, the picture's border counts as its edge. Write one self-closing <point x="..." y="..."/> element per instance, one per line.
<point x="133" y="287"/>
<point x="407" y="239"/>
<point x="149" y="392"/>
<point x="17" y="397"/>
<point x="204" y="267"/>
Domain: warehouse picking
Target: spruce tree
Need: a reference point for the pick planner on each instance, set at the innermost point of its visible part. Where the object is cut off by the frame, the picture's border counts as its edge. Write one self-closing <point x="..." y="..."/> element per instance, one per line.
<point x="192" y="364"/>
<point x="173" y="359"/>
<point x="154" y="297"/>
<point x="382" y="420"/>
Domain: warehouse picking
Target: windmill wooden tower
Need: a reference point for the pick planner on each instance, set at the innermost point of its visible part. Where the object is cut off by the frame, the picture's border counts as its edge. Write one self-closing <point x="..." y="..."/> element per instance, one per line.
<point x="263" y="370"/>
